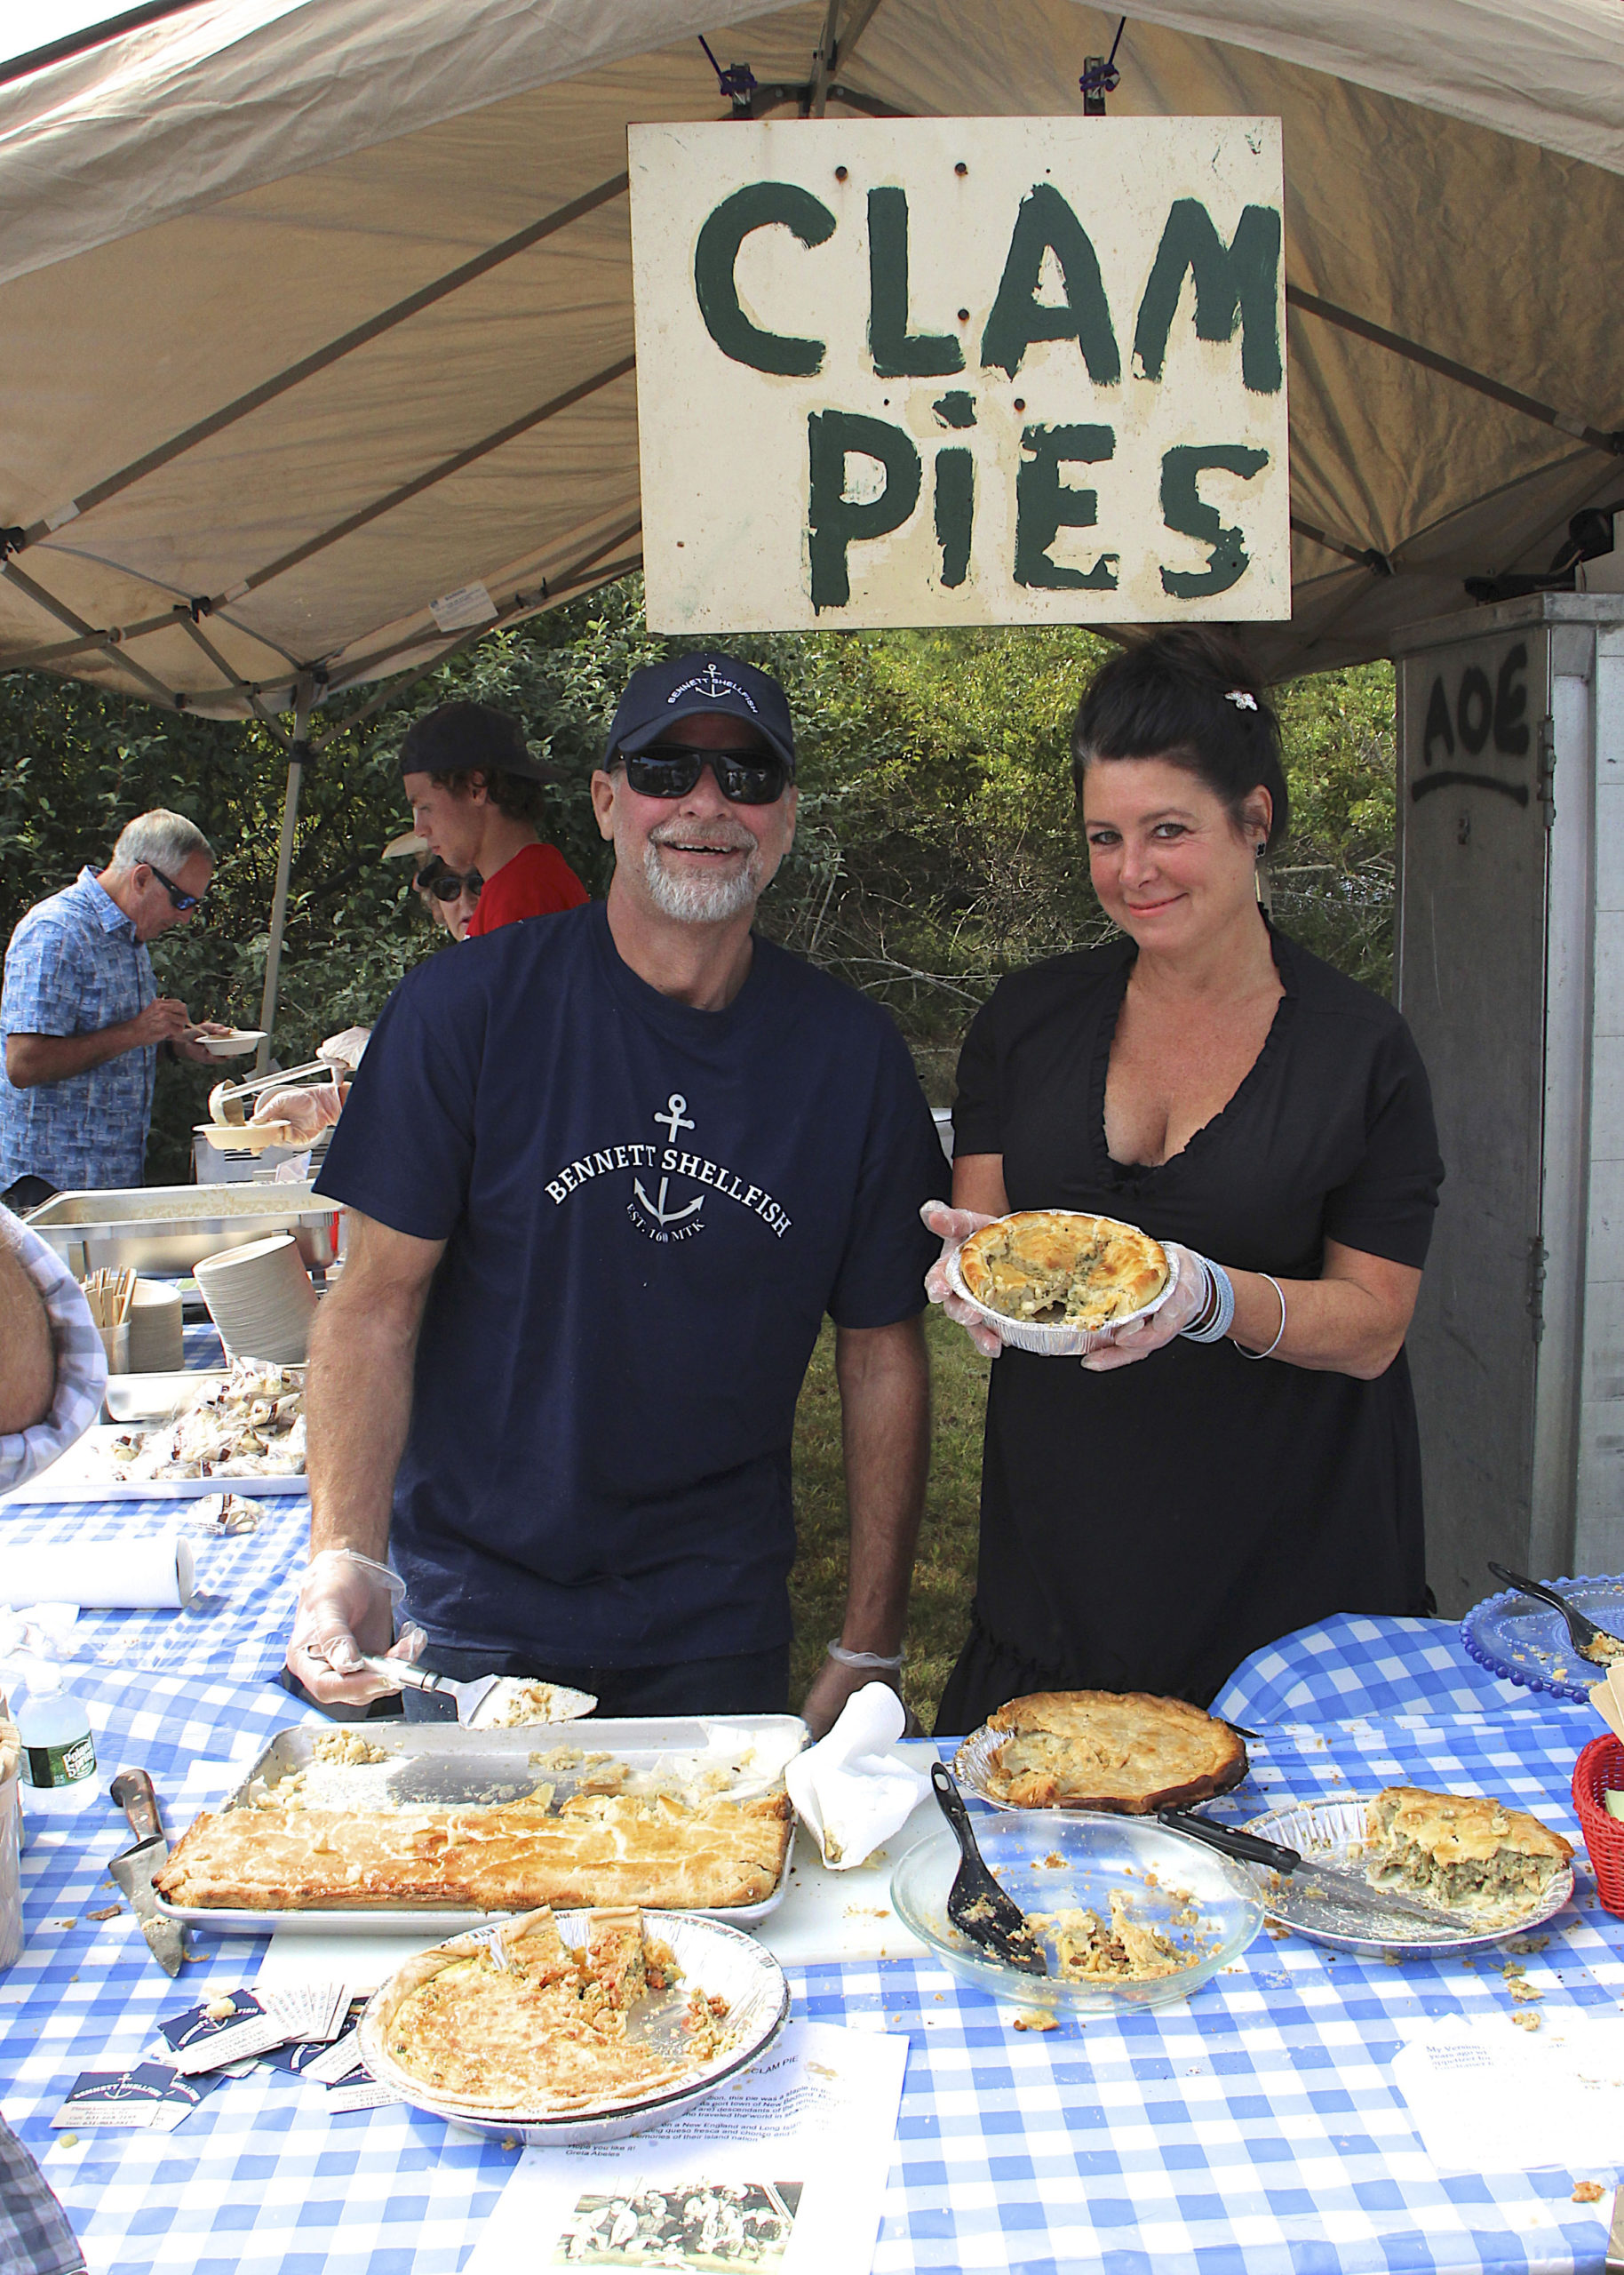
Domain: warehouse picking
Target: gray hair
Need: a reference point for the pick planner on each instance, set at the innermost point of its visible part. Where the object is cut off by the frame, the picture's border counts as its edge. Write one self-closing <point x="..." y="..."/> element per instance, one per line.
<point x="162" y="839"/>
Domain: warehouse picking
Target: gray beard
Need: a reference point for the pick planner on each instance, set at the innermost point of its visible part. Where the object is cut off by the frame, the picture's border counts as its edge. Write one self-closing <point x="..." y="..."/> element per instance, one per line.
<point x="701" y="900"/>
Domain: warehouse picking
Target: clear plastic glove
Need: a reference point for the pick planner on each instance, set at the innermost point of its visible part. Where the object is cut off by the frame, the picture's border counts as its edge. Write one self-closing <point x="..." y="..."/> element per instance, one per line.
<point x="1140" y="1336"/>
<point x="306" y="1108"/>
<point x="345" y="1047"/>
<point x="346" y="1606"/>
<point x="952" y="1227"/>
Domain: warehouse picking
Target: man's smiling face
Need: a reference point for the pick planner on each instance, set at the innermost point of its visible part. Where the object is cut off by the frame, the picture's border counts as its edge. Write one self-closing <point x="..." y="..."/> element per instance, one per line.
<point x="699" y="859"/>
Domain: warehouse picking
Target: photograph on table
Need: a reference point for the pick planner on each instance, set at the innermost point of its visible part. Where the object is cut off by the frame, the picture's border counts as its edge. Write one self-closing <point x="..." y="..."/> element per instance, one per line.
<point x="701" y="2225"/>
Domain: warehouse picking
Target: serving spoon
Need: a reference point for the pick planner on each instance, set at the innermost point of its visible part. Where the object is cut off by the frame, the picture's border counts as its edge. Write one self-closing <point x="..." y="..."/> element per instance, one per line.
<point x="1583" y="1632"/>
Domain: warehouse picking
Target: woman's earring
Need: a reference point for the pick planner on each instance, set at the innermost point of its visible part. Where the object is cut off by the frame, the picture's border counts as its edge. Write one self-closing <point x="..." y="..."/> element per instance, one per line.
<point x="1257" y="851"/>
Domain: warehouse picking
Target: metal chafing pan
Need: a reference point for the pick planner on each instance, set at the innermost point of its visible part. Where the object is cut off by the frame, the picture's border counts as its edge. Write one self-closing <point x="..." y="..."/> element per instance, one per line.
<point x="441" y="1765"/>
<point x="168" y="1227"/>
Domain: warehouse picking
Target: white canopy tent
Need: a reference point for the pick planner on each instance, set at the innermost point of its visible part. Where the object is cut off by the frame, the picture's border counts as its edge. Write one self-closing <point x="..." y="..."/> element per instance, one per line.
<point x="315" y="321"/>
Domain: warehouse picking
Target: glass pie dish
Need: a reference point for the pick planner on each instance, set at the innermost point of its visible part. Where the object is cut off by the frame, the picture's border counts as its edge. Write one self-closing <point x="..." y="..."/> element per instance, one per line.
<point x="1209" y="1909"/>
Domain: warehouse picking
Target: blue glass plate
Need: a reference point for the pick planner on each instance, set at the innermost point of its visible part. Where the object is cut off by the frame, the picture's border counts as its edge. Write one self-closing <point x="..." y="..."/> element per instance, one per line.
<point x="1527" y="1641"/>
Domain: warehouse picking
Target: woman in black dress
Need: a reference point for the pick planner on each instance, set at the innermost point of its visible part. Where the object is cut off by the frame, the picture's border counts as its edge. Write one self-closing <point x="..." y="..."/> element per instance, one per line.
<point x="1246" y="1461"/>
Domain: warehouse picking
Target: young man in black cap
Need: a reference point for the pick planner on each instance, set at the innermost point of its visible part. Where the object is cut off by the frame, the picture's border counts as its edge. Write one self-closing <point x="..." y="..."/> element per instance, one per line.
<point x="476" y="801"/>
<point x="611" y="1175"/>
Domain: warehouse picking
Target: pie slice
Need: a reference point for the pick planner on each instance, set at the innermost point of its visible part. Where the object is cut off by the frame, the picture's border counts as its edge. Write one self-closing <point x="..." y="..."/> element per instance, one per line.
<point x="1058" y="1267"/>
<point x="1476" y="1855"/>
<point x="1110" y="1750"/>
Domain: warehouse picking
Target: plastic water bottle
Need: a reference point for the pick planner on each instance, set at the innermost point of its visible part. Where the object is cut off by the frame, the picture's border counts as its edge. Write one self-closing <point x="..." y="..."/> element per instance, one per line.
<point x="59" y="1753"/>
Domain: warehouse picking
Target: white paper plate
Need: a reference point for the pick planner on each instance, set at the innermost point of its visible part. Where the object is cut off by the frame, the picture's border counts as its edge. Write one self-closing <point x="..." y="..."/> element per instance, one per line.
<point x="720" y="1960"/>
<point x="1053" y="1342"/>
<point x="1335" y="1832"/>
<point x="237" y="1044"/>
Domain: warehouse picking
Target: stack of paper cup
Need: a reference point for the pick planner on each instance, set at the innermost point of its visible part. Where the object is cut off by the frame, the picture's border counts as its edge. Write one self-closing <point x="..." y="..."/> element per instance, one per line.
<point x="156" y="1345"/>
<point x="261" y="1300"/>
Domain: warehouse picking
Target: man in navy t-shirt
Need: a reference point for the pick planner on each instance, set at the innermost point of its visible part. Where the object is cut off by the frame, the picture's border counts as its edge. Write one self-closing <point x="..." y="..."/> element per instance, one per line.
<point x="608" y="1169"/>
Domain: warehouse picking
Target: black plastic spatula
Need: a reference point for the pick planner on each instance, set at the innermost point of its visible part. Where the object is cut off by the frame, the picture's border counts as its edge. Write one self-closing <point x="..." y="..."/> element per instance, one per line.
<point x="976" y="1902"/>
<point x="1583" y="1632"/>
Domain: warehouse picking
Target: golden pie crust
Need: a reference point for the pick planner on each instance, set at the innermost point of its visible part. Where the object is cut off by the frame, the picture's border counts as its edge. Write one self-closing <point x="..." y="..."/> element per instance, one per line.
<point x="1058" y="1267"/>
<point x="597" y="1848"/>
<point x="547" y="2030"/>
<point x="1476" y="1855"/>
<point x="1120" y="1750"/>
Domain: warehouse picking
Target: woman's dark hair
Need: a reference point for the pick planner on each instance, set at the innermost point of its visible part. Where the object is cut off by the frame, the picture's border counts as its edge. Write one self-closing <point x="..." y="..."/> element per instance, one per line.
<point x="1174" y="696"/>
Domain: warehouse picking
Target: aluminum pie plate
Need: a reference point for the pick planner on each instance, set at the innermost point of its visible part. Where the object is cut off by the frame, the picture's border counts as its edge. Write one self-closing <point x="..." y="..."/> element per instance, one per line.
<point x="1335" y="1831"/>
<point x="1527" y="1641"/>
<point x="444" y="1765"/>
<point x="973" y="1768"/>
<point x="1053" y="1342"/>
<point x="714" y="1957"/>
<point x="1048" y="1864"/>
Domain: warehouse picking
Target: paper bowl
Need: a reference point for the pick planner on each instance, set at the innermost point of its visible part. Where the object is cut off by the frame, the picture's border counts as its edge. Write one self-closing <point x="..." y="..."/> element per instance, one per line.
<point x="1053" y="1864"/>
<point x="714" y="1957"/>
<point x="237" y="1044"/>
<point x="260" y="1299"/>
<point x="1053" y="1342"/>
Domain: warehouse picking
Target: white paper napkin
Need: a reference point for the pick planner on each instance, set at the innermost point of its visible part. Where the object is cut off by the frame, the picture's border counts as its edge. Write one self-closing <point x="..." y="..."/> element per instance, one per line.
<point x="847" y="1790"/>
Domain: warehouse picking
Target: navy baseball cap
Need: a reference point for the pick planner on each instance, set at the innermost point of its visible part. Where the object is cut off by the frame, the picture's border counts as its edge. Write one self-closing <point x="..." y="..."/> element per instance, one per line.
<point x="660" y="694"/>
<point x="466" y="736"/>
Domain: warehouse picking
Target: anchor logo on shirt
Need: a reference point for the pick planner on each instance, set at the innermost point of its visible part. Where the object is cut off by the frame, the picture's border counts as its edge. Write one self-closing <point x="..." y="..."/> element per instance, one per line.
<point x="674" y="1118"/>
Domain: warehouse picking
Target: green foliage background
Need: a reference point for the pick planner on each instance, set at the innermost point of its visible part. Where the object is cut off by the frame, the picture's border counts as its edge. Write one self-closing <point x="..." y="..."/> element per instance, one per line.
<point x="937" y="846"/>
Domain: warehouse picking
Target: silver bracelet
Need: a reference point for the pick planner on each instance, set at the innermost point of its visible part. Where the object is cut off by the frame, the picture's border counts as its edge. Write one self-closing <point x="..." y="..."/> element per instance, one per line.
<point x="843" y="1657"/>
<point x="1279" y="1331"/>
<point x="1216" y="1319"/>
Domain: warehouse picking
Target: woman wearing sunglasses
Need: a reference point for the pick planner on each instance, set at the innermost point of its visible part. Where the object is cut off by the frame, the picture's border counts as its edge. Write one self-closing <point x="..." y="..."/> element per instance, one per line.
<point x="450" y="898"/>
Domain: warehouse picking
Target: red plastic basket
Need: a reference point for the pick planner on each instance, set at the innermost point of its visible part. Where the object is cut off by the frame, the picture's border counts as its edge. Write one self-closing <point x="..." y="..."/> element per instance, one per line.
<point x="1599" y="1770"/>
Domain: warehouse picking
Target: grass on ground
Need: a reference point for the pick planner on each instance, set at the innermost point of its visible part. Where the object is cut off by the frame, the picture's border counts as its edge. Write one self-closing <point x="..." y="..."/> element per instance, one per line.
<point x="944" y="1571"/>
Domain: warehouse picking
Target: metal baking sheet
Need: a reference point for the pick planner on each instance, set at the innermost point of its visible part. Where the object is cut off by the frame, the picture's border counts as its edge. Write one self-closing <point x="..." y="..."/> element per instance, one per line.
<point x="84" y="1474"/>
<point x="441" y="1765"/>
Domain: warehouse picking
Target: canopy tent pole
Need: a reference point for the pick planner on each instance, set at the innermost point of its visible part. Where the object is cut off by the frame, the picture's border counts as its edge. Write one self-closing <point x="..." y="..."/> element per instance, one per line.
<point x="298" y="751"/>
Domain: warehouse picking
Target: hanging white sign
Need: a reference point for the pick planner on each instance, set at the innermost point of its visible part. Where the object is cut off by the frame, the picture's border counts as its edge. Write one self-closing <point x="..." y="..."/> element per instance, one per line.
<point x="960" y="371"/>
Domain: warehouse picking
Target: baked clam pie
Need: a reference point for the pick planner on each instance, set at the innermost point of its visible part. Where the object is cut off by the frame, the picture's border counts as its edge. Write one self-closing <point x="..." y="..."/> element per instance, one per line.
<point x="1061" y="1267"/>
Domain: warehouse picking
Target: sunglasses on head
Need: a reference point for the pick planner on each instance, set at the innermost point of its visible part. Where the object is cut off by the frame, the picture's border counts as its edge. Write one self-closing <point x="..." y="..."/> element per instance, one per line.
<point x="445" y="884"/>
<point x="671" y="770"/>
<point x="184" y="902"/>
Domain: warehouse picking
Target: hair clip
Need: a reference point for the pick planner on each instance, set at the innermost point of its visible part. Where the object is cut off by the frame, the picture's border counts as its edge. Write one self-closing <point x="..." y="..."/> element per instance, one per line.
<point x="1241" y="698"/>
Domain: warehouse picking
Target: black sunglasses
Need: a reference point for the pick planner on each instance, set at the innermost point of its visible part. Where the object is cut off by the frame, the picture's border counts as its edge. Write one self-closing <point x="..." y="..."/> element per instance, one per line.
<point x="671" y="770"/>
<point x="445" y="884"/>
<point x="185" y="902"/>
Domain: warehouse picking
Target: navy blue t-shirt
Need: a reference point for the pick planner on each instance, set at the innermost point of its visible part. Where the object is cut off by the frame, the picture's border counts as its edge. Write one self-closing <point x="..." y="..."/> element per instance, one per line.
<point x="648" y="1210"/>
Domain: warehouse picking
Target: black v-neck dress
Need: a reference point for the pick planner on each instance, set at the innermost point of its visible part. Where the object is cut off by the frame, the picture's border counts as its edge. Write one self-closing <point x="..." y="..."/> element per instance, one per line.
<point x="1146" y="1529"/>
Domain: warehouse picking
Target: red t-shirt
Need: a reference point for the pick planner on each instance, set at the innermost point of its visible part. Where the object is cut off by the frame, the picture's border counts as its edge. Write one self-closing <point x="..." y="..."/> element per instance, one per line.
<point x="538" y="882"/>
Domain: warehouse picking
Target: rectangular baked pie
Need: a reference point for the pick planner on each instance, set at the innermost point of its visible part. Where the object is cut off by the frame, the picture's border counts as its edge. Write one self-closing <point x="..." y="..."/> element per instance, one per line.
<point x="1476" y="1855"/>
<point x="595" y="1848"/>
<point x="1061" y="1267"/>
<point x="541" y="2025"/>
<point x="1109" y="1750"/>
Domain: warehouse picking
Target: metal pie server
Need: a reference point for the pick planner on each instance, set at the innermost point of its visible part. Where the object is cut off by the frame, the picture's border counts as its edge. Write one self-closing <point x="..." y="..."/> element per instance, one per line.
<point x="462" y="1698"/>
<point x="1582" y="1632"/>
<point x="134" y="1868"/>
<point x="1350" y="1888"/>
<point x="976" y="1902"/>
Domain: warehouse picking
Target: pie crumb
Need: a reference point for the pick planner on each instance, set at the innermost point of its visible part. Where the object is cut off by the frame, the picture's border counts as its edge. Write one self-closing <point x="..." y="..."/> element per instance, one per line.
<point x="1036" y="2021"/>
<point x="1526" y="2021"/>
<point x="1587" y="2191"/>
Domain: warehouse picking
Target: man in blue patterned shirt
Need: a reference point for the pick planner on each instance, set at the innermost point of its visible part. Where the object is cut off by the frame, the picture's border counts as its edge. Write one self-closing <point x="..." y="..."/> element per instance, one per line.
<point x="81" y="1015"/>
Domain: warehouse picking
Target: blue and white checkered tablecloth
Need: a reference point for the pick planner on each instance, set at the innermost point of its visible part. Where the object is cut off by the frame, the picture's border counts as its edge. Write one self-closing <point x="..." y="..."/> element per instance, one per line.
<point x="201" y="1340"/>
<point x="238" y="1625"/>
<point x="1254" y="2130"/>
<point x="1358" y="1664"/>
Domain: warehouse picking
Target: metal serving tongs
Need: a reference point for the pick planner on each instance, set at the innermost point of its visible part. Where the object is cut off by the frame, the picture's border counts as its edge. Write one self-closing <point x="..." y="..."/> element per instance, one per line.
<point x="1582" y="1632"/>
<point x="1349" y="1889"/>
<point x="226" y="1099"/>
<point x="976" y="1902"/>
